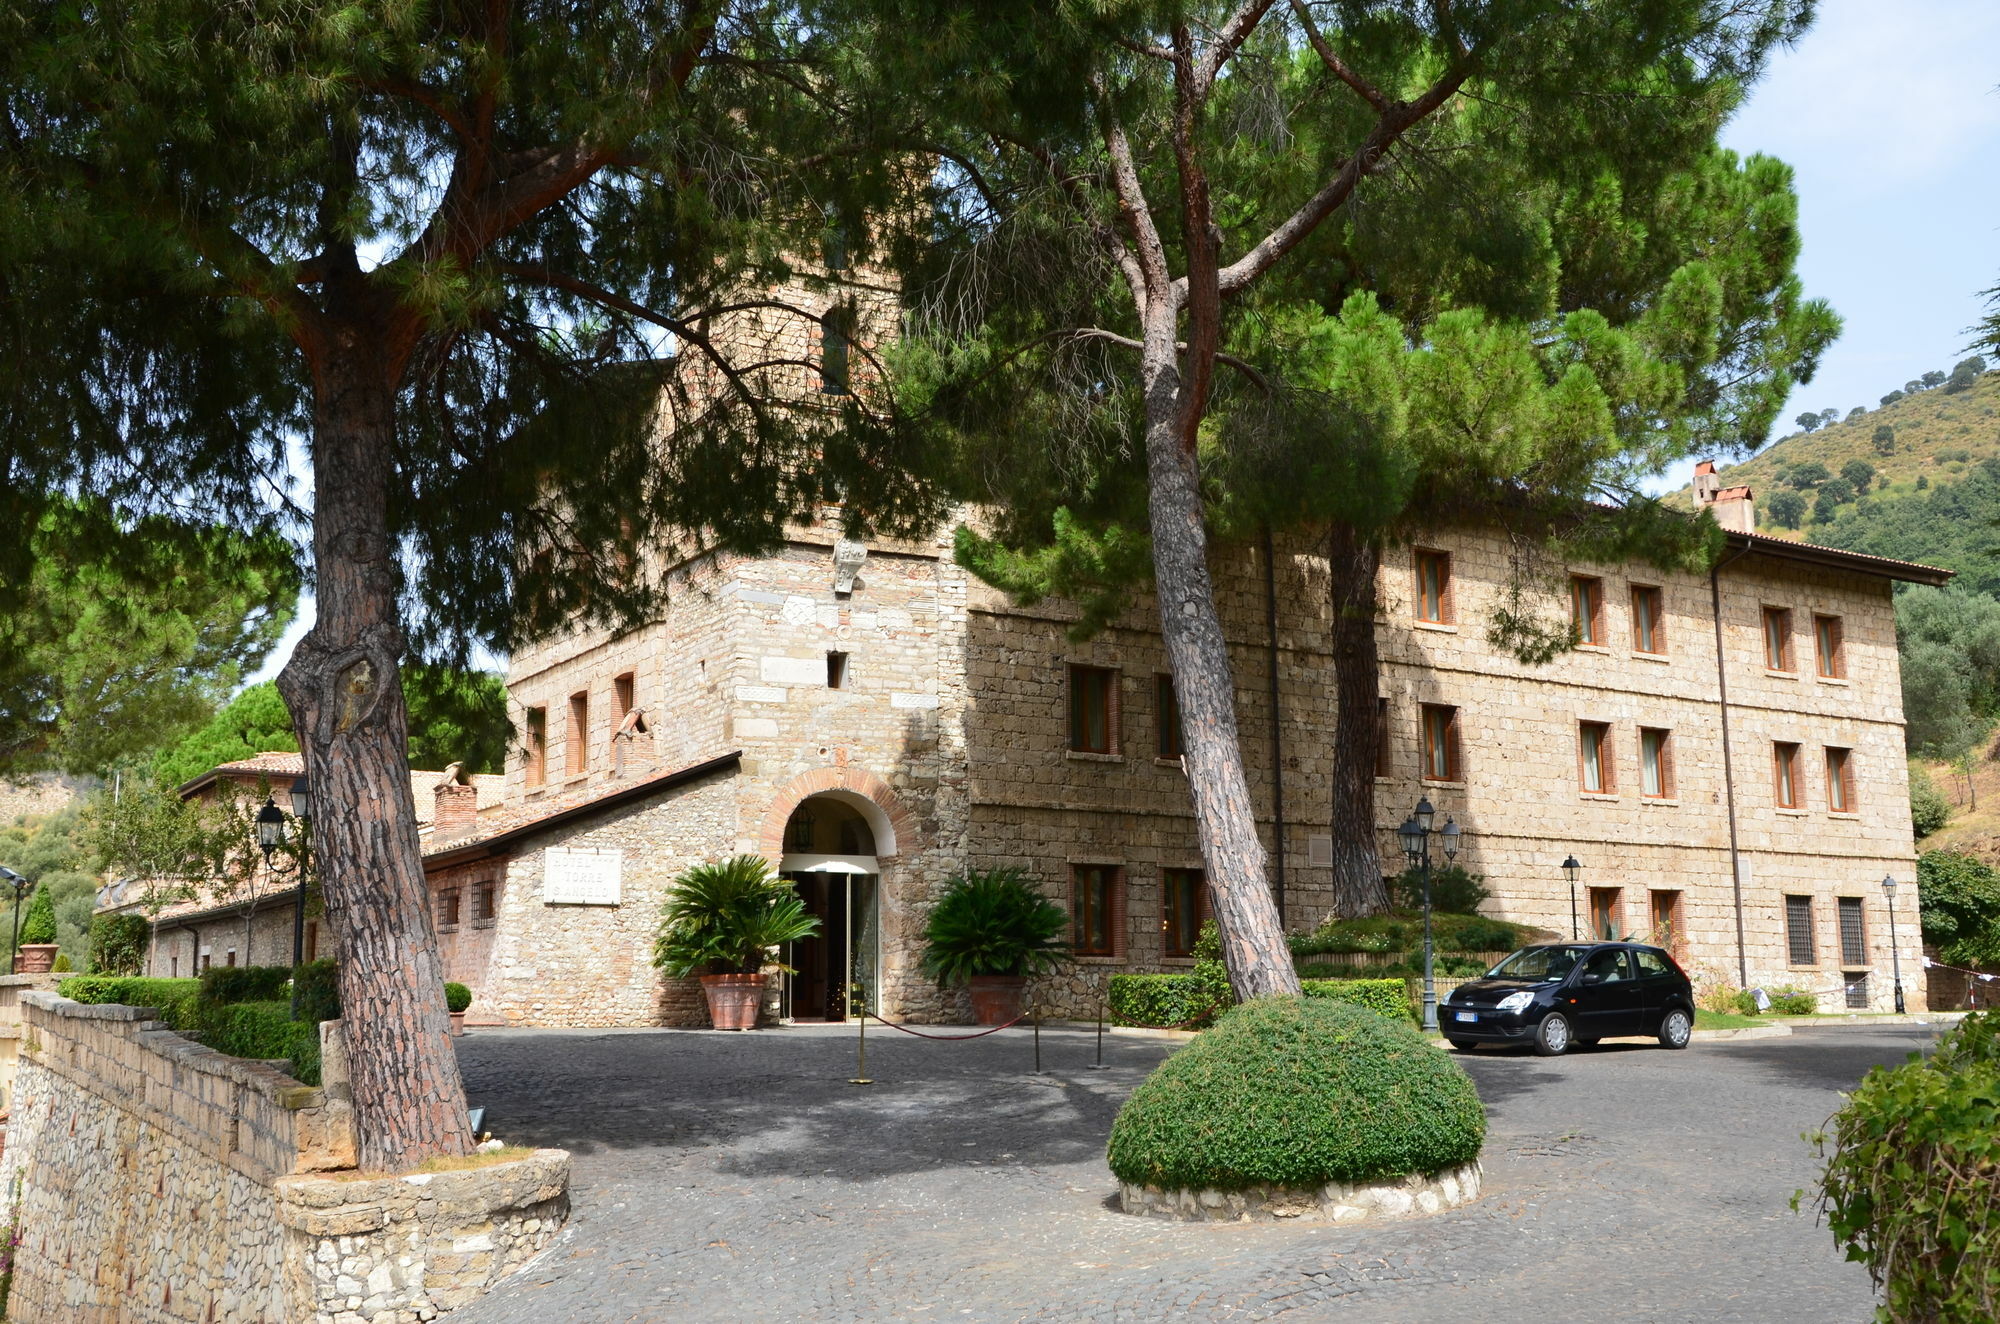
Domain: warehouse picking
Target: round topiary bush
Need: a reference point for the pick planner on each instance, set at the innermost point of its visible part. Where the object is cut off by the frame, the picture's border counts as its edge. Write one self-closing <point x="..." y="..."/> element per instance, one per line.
<point x="1297" y="1093"/>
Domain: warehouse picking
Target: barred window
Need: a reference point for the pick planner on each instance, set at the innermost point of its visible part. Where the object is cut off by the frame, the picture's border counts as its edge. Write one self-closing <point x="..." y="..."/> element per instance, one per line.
<point x="1799" y="931"/>
<point x="1853" y="933"/>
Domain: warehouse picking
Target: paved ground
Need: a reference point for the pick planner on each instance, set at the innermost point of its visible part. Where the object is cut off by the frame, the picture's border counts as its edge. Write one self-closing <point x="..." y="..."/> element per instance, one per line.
<point x="739" y="1177"/>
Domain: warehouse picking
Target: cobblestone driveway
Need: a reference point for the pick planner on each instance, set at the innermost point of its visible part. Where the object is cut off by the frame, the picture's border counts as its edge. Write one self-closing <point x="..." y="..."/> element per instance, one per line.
<point x="739" y="1177"/>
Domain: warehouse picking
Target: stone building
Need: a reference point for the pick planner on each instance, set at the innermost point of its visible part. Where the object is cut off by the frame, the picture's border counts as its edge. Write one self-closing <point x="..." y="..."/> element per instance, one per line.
<point x="1723" y="753"/>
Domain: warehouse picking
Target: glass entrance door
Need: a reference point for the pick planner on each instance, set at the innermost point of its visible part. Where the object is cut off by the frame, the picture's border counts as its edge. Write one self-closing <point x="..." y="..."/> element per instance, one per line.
<point x="841" y="963"/>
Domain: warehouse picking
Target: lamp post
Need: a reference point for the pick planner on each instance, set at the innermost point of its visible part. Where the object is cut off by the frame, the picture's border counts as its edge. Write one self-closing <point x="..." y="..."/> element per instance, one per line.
<point x="1895" y="957"/>
<point x="271" y="835"/>
<point x="1415" y="835"/>
<point x="1570" y="870"/>
<point x="20" y="885"/>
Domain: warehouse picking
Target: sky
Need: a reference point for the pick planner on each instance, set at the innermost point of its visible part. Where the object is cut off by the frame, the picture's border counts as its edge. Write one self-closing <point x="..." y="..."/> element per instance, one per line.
<point x="1889" y="112"/>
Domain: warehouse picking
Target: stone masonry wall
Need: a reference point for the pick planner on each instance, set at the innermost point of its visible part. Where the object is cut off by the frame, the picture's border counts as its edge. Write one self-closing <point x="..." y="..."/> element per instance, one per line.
<point x="159" y="1181"/>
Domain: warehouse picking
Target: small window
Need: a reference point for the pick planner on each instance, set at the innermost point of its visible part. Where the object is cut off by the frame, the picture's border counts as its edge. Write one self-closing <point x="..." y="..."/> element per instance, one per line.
<point x="1777" y="639"/>
<point x="448" y="910"/>
<point x="1442" y="761"/>
<point x="1656" y="763"/>
<point x="482" y="903"/>
<point x="1831" y="659"/>
<point x="535" y="752"/>
<point x="174" y="966"/>
<point x="1649" y="620"/>
<point x="1840" y="780"/>
<point x="1853" y="934"/>
<point x="575" y="752"/>
<point x="836" y="671"/>
<point x="1785" y="774"/>
<point x="1593" y="748"/>
<point x="1799" y="948"/>
<point x="1382" y="738"/>
<point x="1857" y="992"/>
<point x="232" y="957"/>
<point x="1093" y="710"/>
<point x="622" y="688"/>
<point x="1183" y="906"/>
<point x="1167" y="717"/>
<point x="1094" y="929"/>
<point x="1607" y="913"/>
<point x="312" y="940"/>
<point x="836" y="332"/>
<point x="1433" y="586"/>
<point x="1586" y="610"/>
<point x="207" y="960"/>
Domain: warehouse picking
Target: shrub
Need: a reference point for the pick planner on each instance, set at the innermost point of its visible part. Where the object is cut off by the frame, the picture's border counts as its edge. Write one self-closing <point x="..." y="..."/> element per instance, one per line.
<point x="244" y="983"/>
<point x="118" y="944"/>
<point x="457" y="997"/>
<point x="1793" y="1001"/>
<point x="1163" y="1002"/>
<point x="260" y="1029"/>
<point x="992" y="923"/>
<point x="1384" y="997"/>
<point x="1743" y="1002"/>
<point x="1298" y="1092"/>
<point x="1958" y="900"/>
<point x="39" y="924"/>
<point x="1453" y="890"/>
<point x="318" y="984"/>
<point x="166" y="996"/>
<point x="61" y="965"/>
<point x="1907" y="1186"/>
<point x="726" y="916"/>
<point x="1929" y="810"/>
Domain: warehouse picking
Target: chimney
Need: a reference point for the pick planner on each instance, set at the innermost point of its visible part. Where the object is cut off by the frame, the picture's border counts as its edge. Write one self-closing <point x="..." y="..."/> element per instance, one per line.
<point x="457" y="805"/>
<point x="1735" y="507"/>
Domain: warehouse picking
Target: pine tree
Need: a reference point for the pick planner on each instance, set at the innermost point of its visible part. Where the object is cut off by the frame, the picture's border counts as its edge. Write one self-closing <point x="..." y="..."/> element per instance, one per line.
<point x="446" y="244"/>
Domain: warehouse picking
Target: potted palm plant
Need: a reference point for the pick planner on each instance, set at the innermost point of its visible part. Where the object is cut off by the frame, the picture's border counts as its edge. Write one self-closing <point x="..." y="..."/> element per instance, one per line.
<point x="721" y="922"/>
<point x="989" y="931"/>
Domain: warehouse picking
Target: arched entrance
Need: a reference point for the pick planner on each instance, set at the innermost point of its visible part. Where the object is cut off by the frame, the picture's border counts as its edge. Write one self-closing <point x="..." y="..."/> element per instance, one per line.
<point x="829" y="857"/>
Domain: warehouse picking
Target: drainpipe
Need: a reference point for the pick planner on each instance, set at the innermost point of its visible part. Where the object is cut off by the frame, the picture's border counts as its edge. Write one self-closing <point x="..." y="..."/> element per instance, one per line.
<point x="1728" y="764"/>
<point x="1277" y="729"/>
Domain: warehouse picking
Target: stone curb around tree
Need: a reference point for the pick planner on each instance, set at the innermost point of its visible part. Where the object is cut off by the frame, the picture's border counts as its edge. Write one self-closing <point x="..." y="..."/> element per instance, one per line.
<point x="1415" y="1196"/>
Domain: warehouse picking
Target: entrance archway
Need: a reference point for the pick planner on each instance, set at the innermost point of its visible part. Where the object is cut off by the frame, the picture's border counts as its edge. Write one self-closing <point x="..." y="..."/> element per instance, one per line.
<point x="829" y="858"/>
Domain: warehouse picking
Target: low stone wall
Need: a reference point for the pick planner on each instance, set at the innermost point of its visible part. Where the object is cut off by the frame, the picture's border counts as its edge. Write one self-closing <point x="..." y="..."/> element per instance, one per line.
<point x="1336" y="1202"/>
<point x="155" y="1179"/>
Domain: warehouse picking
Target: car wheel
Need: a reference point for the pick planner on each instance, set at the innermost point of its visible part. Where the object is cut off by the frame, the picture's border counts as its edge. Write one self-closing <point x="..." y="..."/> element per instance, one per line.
<point x="1675" y="1029"/>
<point x="1552" y="1037"/>
<point x="1463" y="1045"/>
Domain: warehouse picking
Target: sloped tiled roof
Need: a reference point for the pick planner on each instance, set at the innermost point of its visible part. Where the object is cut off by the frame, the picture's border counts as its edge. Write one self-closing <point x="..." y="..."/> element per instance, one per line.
<point x="519" y="820"/>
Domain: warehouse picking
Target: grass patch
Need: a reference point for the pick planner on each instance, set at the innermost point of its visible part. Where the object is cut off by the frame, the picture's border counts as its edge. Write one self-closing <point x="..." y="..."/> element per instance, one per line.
<point x="1727" y="1020"/>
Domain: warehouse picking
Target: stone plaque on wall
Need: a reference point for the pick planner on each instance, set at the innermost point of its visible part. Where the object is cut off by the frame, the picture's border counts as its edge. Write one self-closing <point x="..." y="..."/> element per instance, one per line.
<point x="581" y="877"/>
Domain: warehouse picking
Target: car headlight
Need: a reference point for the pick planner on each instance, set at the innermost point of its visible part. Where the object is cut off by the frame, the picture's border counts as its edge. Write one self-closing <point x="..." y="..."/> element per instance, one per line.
<point x="1516" y="1001"/>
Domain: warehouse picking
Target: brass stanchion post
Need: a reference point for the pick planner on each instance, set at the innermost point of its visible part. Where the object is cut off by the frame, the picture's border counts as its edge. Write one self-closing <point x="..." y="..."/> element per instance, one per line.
<point x="1098" y="1065"/>
<point x="1038" y="1041"/>
<point x="860" y="1076"/>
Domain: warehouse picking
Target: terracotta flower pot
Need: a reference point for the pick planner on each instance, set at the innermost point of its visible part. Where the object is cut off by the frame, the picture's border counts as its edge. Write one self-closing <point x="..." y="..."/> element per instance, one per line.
<point x="996" y="999"/>
<point x="733" y="999"/>
<point x="457" y="1023"/>
<point x="36" y="958"/>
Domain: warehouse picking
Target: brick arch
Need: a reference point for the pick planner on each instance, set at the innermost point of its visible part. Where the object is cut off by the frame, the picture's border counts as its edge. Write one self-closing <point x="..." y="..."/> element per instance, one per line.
<point x="887" y="817"/>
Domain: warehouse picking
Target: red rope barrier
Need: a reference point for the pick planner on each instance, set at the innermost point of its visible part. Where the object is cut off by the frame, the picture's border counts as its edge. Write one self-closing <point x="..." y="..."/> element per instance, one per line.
<point x="947" y="1038"/>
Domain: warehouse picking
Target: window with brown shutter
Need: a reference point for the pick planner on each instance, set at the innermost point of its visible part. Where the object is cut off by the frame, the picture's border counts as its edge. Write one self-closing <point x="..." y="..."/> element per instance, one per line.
<point x="622" y="690"/>
<point x="535" y="765"/>
<point x="1433" y="596"/>
<point x="1093" y="710"/>
<point x="1094" y="892"/>
<point x="575" y="751"/>
<point x="1656" y="763"/>
<point x="1586" y="610"/>
<point x="1785" y="774"/>
<point x="1649" y="626"/>
<point x="1183" y="906"/>
<point x="1777" y="639"/>
<point x="1840" y="780"/>
<point x="1607" y="913"/>
<point x="1593" y="758"/>
<point x="1167" y="717"/>
<point x="1442" y="758"/>
<point x="1827" y="649"/>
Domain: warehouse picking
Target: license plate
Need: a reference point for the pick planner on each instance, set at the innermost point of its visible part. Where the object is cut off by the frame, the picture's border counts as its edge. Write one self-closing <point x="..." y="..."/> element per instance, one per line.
<point x="1468" y="1016"/>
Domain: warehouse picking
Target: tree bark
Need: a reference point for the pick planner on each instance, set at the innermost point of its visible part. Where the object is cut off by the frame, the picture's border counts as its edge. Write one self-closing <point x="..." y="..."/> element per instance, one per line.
<point x="346" y="698"/>
<point x="1353" y="561"/>
<point x="1253" y="940"/>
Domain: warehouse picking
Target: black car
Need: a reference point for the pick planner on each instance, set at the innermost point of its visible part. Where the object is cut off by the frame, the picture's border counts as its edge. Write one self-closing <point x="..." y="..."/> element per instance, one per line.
<point x="1567" y="993"/>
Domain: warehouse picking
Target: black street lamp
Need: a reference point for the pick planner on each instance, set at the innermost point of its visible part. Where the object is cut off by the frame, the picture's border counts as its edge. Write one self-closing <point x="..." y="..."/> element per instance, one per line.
<point x="20" y="885"/>
<point x="1571" y="869"/>
<point x="1415" y="835"/>
<point x="1895" y="957"/>
<point x="271" y="835"/>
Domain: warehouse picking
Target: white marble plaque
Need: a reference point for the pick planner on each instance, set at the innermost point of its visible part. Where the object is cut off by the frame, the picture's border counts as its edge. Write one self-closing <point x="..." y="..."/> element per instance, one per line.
<point x="900" y="700"/>
<point x="759" y="694"/>
<point x="581" y="877"/>
<point x="792" y="670"/>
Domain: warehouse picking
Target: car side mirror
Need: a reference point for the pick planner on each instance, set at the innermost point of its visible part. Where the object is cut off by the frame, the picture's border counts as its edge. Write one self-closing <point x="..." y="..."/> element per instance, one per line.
<point x="1592" y="978"/>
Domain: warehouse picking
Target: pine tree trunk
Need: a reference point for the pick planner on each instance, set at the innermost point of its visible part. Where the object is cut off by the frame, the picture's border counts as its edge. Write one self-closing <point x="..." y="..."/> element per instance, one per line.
<point x="1253" y="940"/>
<point x="344" y="691"/>
<point x="1358" y="889"/>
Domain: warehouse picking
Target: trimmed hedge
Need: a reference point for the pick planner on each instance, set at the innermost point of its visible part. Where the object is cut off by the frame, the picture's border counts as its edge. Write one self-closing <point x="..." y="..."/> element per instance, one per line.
<point x="1166" y="1001"/>
<point x="1384" y="997"/>
<point x="245" y="983"/>
<point x="259" y="1028"/>
<point x="166" y="996"/>
<point x="1298" y="1092"/>
<point x="319" y="990"/>
<point x="1908" y="1185"/>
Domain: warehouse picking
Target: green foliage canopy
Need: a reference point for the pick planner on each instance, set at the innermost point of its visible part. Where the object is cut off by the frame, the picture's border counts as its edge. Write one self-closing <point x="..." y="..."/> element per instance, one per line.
<point x="993" y="922"/>
<point x="1958" y="897"/>
<point x="1949" y="639"/>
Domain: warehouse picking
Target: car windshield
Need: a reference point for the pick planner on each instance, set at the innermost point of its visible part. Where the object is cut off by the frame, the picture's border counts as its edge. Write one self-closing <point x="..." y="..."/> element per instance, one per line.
<point x="1537" y="963"/>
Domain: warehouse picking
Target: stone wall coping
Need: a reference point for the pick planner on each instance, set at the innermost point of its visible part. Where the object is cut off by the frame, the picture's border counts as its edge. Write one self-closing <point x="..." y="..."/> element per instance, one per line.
<point x="88" y="1011"/>
<point x="155" y="1035"/>
<point x="345" y="1206"/>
